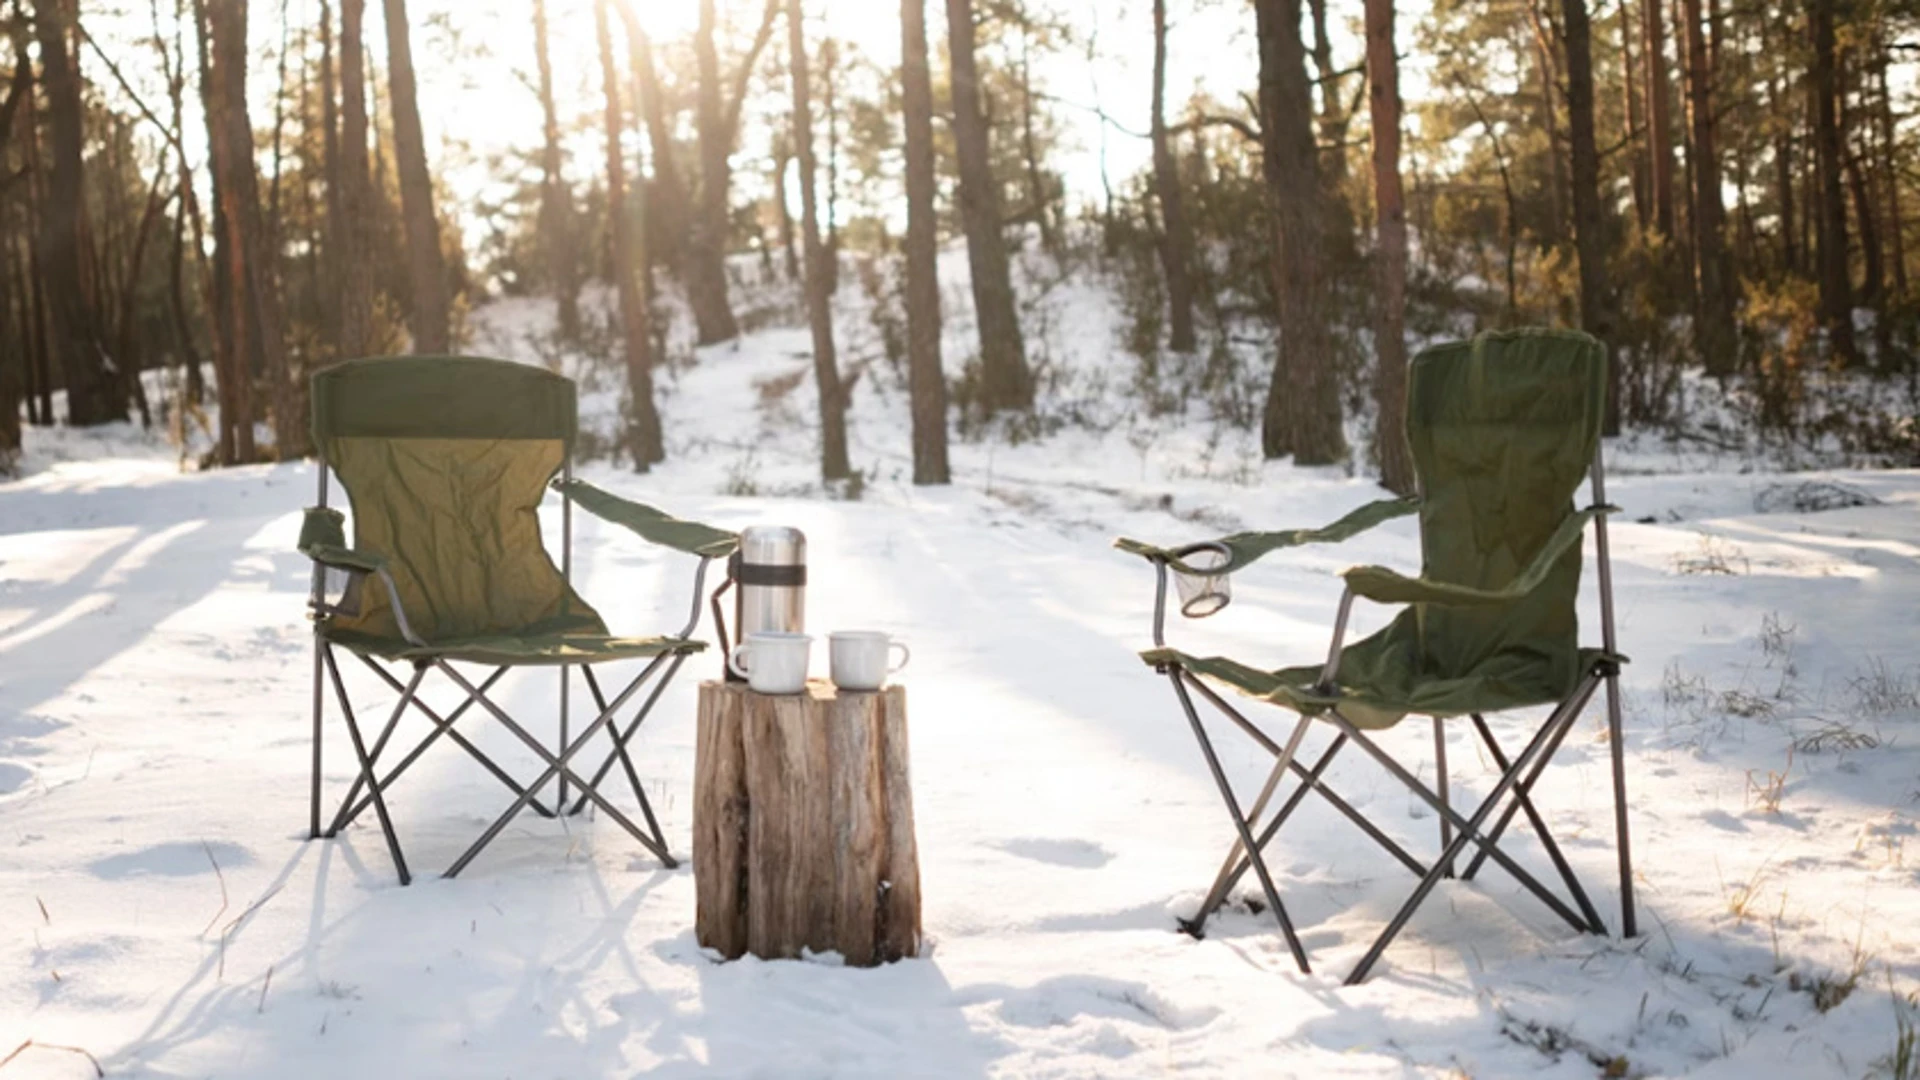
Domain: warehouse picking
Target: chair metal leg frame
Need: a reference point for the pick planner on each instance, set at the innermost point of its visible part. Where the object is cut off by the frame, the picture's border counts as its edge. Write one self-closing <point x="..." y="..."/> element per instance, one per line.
<point x="1218" y="893"/>
<point x="620" y="742"/>
<point x="349" y="810"/>
<point x="1506" y="816"/>
<point x="1240" y="823"/>
<point x="633" y="725"/>
<point x="1469" y="828"/>
<point x="1333" y="798"/>
<point x="1628" y="924"/>
<point x="1440" y="774"/>
<point x="319" y="708"/>
<point x="1231" y="875"/>
<point x="366" y="761"/>
<point x="1522" y="800"/>
<point x="557" y="765"/>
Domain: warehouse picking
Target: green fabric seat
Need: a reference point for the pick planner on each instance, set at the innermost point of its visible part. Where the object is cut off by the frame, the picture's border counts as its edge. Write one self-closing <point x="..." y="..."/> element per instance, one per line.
<point x="518" y="650"/>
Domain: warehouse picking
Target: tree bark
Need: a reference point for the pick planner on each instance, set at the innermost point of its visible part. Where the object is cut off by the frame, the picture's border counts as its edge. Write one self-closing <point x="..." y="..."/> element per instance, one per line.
<point x="556" y="206"/>
<point x="668" y="197"/>
<point x="826" y="367"/>
<point x="1890" y="169"/>
<point x="782" y="160"/>
<point x="1836" y="286"/>
<point x="353" y="231"/>
<point x="1333" y="113"/>
<point x="926" y="382"/>
<point x="1629" y="77"/>
<point x="1873" y="278"/>
<point x="646" y="443"/>
<point x="1659" y="115"/>
<point x="258" y="324"/>
<point x="1714" y="334"/>
<point x="1390" y="256"/>
<point x="429" y="319"/>
<point x="74" y="327"/>
<point x="717" y="125"/>
<point x="1005" y="380"/>
<point x="1302" y="413"/>
<point x="803" y="831"/>
<point x="1176" y="234"/>
<point x="1592" y="230"/>
<point x="1547" y="66"/>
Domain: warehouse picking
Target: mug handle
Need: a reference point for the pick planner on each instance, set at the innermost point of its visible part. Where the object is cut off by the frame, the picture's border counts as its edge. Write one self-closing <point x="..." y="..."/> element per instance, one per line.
<point x="736" y="658"/>
<point x="905" y="655"/>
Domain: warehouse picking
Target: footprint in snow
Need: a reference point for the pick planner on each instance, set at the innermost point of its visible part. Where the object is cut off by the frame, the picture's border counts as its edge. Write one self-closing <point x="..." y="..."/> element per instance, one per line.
<point x="176" y="859"/>
<point x="1079" y="854"/>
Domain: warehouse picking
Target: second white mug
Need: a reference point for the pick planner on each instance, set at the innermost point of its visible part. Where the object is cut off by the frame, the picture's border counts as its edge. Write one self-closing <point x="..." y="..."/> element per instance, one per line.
<point x="771" y="662"/>
<point x="859" y="658"/>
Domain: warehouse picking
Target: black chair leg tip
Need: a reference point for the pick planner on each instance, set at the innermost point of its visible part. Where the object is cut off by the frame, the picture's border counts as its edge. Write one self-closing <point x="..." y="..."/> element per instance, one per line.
<point x="1193" y="928"/>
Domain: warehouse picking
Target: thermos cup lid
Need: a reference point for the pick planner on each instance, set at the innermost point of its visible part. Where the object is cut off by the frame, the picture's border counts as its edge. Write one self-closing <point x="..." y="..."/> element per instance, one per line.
<point x="773" y="545"/>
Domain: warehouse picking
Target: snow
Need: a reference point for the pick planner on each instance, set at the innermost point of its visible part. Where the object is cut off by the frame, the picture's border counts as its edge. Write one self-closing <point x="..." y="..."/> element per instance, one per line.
<point x="165" y="913"/>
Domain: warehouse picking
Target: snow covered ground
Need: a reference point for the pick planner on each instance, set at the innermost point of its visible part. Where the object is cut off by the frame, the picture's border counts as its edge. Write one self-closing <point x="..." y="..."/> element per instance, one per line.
<point x="162" y="911"/>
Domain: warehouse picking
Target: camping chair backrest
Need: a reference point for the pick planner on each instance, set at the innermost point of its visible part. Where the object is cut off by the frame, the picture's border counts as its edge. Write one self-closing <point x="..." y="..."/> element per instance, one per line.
<point x="1503" y="429"/>
<point x="445" y="460"/>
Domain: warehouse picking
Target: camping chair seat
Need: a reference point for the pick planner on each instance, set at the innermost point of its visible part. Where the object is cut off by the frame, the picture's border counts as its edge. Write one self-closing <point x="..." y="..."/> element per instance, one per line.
<point x="531" y="647"/>
<point x="1377" y="686"/>
<point x="1502" y="429"/>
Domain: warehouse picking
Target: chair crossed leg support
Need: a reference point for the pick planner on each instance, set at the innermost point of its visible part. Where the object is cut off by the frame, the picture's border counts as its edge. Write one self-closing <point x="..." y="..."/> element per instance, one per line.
<point x="1458" y="832"/>
<point x="370" y="786"/>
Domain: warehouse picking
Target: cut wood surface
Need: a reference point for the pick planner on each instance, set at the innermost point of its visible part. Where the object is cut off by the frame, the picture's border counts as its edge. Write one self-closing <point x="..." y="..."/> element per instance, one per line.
<point x="803" y="824"/>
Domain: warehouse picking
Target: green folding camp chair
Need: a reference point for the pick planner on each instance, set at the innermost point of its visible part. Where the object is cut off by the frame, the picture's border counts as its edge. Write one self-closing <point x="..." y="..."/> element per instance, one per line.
<point x="1503" y="428"/>
<point x="445" y="461"/>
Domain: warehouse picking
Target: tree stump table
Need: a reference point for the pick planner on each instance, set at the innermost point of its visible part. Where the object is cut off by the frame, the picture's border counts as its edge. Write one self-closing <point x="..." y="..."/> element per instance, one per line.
<point x="803" y="824"/>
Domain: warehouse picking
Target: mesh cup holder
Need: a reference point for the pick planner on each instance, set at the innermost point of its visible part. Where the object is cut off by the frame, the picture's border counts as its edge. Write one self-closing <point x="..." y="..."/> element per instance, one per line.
<point x="1205" y="594"/>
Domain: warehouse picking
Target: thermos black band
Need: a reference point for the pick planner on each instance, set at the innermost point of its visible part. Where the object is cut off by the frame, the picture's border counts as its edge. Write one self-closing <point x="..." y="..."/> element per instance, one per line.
<point x="747" y="573"/>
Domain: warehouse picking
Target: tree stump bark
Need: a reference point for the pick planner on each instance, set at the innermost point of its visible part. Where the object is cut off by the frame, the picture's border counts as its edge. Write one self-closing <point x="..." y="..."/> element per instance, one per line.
<point x="803" y="824"/>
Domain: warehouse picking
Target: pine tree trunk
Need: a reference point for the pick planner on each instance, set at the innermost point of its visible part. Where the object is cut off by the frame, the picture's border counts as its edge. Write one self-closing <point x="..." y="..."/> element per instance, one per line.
<point x="74" y="326"/>
<point x="1005" y="380"/>
<point x="826" y="368"/>
<point x="1592" y="233"/>
<point x="1038" y="196"/>
<point x="645" y="441"/>
<point x="1714" y="334"/>
<point x="1390" y="258"/>
<point x="926" y="382"/>
<point x="1836" y="286"/>
<point x="353" y="232"/>
<point x="1547" y="67"/>
<point x="1785" y="153"/>
<point x="668" y="194"/>
<point x="1852" y="138"/>
<point x="782" y="161"/>
<point x="14" y="353"/>
<point x="235" y="352"/>
<point x="1302" y="415"/>
<point x="1176" y="235"/>
<point x="1629" y="78"/>
<point x="556" y="209"/>
<point x="1333" y="114"/>
<point x="706" y="276"/>
<point x="1659" y="115"/>
<point x="1890" y="176"/>
<point x="429" y="319"/>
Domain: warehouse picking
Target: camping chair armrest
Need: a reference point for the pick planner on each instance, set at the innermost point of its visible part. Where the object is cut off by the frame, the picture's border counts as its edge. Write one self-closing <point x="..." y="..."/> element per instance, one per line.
<point x="1246" y="548"/>
<point x="323" y="539"/>
<point x="651" y="525"/>
<point x="1381" y="585"/>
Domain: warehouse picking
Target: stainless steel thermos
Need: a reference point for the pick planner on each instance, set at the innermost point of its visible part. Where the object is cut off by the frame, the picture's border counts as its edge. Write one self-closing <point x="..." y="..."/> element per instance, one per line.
<point x="770" y="581"/>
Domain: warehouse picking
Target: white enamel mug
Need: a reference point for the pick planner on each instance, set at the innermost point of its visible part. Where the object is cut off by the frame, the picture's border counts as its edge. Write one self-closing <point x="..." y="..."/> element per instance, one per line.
<point x="772" y="662"/>
<point x="859" y="658"/>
